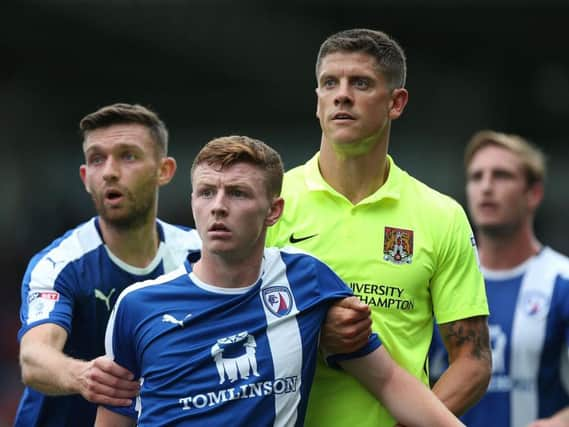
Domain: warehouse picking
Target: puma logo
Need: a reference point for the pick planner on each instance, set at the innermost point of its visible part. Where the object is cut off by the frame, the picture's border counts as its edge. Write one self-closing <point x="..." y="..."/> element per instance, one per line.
<point x="168" y="318"/>
<point x="105" y="298"/>
<point x="53" y="262"/>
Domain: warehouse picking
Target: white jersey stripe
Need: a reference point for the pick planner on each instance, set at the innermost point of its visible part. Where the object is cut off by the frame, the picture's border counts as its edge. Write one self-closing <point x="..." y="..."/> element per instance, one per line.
<point x="537" y="283"/>
<point x="284" y="339"/>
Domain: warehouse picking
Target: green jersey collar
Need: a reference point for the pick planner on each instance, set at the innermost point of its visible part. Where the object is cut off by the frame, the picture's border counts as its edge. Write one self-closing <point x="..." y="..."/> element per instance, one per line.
<point x="390" y="189"/>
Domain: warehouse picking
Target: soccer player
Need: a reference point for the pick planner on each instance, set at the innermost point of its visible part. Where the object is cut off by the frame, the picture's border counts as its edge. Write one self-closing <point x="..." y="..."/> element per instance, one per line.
<point x="70" y="287"/>
<point x="230" y="338"/>
<point x="405" y="249"/>
<point x="527" y="285"/>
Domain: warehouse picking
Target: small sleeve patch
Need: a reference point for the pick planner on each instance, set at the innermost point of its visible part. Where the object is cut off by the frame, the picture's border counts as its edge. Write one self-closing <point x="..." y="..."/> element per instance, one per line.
<point x="40" y="304"/>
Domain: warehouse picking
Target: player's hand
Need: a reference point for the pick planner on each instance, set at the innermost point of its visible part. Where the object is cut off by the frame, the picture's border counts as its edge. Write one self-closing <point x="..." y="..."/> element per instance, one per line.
<point x="347" y="326"/>
<point x="104" y="382"/>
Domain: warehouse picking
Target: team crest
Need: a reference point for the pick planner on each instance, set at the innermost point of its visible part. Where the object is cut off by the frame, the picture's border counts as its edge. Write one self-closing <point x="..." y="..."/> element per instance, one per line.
<point x="398" y="245"/>
<point x="535" y="304"/>
<point x="278" y="300"/>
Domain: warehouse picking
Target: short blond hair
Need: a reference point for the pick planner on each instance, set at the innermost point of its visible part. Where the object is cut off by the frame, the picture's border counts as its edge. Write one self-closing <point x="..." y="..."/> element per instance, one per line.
<point x="532" y="158"/>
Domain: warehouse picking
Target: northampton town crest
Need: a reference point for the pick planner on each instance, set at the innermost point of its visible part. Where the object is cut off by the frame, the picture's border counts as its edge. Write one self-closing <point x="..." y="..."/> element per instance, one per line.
<point x="398" y="245"/>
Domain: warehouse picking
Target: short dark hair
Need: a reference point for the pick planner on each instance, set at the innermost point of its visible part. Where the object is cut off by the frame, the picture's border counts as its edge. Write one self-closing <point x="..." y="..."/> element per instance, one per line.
<point x="122" y="113"/>
<point x="229" y="150"/>
<point x="387" y="52"/>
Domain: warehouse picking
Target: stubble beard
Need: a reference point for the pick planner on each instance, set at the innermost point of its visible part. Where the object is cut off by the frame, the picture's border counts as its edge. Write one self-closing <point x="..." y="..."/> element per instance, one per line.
<point x="136" y="211"/>
<point x="498" y="231"/>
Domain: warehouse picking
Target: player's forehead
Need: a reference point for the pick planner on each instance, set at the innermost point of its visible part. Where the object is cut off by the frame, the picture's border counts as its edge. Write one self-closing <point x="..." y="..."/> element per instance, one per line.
<point x="239" y="173"/>
<point x="118" y="135"/>
<point x="494" y="157"/>
<point x="348" y="63"/>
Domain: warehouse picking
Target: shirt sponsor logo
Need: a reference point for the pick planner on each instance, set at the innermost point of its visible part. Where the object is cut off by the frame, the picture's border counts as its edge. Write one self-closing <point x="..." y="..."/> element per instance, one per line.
<point x="498" y="341"/>
<point x="385" y="296"/>
<point x="235" y="359"/>
<point x="244" y="391"/>
<point x="398" y="245"/>
<point x="277" y="299"/>
<point x="46" y="295"/>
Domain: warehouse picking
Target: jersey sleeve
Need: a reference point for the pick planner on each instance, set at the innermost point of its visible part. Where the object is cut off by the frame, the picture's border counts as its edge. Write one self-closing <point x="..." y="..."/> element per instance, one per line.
<point x="120" y="345"/>
<point x="373" y="343"/>
<point x="334" y="288"/>
<point x="330" y="286"/>
<point x="458" y="286"/>
<point x="49" y="290"/>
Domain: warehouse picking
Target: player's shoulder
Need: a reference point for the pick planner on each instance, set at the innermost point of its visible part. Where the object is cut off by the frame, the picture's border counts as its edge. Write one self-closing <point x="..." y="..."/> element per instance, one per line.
<point x="437" y="208"/>
<point x="552" y="259"/>
<point x="294" y="179"/>
<point x="179" y="236"/>
<point x="428" y="196"/>
<point x="292" y="258"/>
<point x="139" y="289"/>
<point x="72" y="245"/>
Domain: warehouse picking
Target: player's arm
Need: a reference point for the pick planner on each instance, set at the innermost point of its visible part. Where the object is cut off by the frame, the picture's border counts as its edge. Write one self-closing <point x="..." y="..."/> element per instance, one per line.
<point x="470" y="363"/>
<point x="106" y="418"/>
<point x="347" y="326"/>
<point x="406" y="398"/>
<point x="47" y="369"/>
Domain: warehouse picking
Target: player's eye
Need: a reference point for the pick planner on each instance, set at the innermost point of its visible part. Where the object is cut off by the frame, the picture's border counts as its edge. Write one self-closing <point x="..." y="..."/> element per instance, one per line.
<point x="128" y="156"/>
<point x="329" y="83"/>
<point x="205" y="193"/>
<point x="361" y="83"/>
<point x="95" y="159"/>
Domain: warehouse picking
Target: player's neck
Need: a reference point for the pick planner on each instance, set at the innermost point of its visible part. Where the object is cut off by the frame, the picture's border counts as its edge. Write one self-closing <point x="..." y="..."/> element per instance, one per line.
<point x="226" y="272"/>
<point x="355" y="177"/>
<point x="135" y="246"/>
<point x="507" y="252"/>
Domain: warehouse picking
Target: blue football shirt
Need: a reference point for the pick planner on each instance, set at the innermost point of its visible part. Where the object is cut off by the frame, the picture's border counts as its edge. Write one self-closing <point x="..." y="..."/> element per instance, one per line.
<point x="216" y="356"/>
<point x="529" y="336"/>
<point x="74" y="283"/>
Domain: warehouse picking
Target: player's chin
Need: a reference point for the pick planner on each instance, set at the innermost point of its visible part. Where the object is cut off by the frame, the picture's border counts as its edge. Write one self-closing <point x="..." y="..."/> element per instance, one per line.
<point x="119" y="217"/>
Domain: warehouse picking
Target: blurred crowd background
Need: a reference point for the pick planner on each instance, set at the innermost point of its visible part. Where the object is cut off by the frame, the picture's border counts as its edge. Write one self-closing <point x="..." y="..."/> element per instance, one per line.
<point x="219" y="67"/>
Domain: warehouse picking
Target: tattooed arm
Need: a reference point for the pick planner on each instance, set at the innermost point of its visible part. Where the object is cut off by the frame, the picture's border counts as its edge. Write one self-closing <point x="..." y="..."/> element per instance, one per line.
<point x="470" y="363"/>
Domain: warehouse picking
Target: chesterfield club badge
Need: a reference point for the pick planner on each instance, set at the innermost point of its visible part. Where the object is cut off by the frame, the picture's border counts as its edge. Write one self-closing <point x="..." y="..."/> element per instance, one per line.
<point x="398" y="245"/>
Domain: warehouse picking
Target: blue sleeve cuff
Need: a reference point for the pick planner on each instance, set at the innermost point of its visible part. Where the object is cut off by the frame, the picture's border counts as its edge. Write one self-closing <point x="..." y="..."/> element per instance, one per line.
<point x="373" y="344"/>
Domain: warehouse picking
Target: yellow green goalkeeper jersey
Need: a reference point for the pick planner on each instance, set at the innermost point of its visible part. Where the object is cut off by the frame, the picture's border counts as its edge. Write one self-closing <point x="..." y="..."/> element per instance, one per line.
<point x="407" y="251"/>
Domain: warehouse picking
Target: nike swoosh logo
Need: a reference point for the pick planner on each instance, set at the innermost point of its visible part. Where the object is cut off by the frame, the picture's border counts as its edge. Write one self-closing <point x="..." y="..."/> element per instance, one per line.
<point x="293" y="239"/>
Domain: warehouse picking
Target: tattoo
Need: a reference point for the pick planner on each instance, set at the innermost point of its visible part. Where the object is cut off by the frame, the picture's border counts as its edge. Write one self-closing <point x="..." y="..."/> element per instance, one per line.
<point x="472" y="332"/>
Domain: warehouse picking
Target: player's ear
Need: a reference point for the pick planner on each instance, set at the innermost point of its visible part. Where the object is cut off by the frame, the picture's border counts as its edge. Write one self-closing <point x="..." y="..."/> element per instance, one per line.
<point x="83" y="175"/>
<point x="167" y="170"/>
<point x="275" y="211"/>
<point x="535" y="195"/>
<point x="399" y="98"/>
